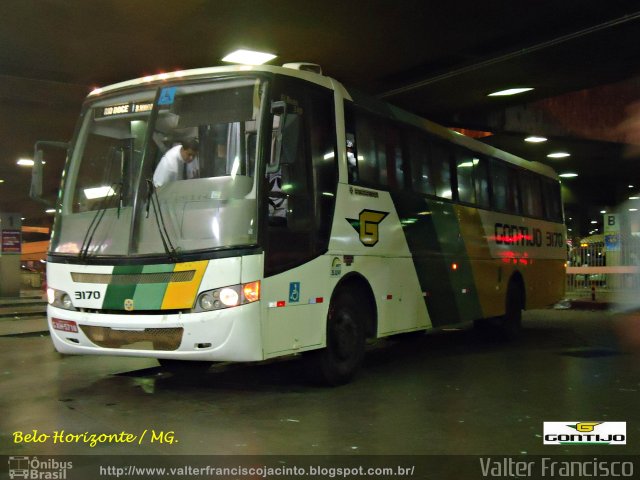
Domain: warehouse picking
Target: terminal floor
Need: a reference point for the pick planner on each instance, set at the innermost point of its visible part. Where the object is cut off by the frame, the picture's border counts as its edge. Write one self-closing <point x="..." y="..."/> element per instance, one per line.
<point x="450" y="392"/>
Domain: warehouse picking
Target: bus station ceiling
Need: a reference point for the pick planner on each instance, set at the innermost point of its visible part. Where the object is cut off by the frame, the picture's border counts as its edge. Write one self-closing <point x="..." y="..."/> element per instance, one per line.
<point x="437" y="59"/>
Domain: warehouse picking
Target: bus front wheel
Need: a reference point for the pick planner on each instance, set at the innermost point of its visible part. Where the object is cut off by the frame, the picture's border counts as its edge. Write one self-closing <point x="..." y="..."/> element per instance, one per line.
<point x="343" y="355"/>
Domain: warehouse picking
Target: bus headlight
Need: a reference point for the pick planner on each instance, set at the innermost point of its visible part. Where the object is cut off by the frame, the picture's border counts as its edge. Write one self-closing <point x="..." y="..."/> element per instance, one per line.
<point x="227" y="297"/>
<point x="60" y="299"/>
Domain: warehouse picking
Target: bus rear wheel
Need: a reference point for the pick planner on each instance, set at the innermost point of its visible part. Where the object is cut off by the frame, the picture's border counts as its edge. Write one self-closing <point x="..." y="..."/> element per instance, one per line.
<point x="511" y="322"/>
<point x="339" y="361"/>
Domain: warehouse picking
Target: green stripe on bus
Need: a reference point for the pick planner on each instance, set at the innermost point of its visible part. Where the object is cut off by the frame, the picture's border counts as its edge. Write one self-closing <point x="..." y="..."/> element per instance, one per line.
<point x="461" y="285"/>
<point x="435" y="241"/>
<point x="117" y="294"/>
<point x="149" y="296"/>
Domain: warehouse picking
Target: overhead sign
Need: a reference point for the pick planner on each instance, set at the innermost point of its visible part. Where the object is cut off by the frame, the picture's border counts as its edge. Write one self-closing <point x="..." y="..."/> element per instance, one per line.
<point x="11" y="241"/>
<point x="123" y="109"/>
<point x="612" y="232"/>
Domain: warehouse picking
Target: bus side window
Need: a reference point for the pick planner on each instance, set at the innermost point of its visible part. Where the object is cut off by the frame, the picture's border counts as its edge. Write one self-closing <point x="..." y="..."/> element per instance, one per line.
<point x="482" y="184"/>
<point x="369" y="171"/>
<point x="499" y="185"/>
<point x="506" y="187"/>
<point x="552" y="200"/>
<point x="465" y="163"/>
<point x="441" y="168"/>
<point x="395" y="158"/>
<point x="532" y="203"/>
<point x="422" y="177"/>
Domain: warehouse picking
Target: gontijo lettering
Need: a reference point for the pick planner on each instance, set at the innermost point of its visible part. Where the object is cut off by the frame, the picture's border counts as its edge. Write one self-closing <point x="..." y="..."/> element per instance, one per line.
<point x="520" y="235"/>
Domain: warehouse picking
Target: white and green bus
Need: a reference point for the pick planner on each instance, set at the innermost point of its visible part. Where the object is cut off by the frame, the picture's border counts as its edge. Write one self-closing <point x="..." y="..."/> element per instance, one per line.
<point x="317" y="218"/>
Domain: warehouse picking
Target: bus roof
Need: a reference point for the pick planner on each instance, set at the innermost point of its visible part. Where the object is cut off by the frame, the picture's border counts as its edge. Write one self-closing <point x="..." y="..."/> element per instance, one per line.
<point x="366" y="101"/>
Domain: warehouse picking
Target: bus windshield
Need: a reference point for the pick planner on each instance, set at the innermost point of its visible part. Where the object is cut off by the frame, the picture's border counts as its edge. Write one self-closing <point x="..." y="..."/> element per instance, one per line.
<point x="113" y="204"/>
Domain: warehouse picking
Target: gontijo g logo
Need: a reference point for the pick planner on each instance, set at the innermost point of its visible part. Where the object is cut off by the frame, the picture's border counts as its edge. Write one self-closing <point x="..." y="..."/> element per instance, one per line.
<point x="367" y="226"/>
<point x="585" y="433"/>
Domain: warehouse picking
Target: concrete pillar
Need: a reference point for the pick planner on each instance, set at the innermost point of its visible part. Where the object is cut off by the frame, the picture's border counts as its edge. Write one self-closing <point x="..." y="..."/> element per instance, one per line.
<point x="10" y="249"/>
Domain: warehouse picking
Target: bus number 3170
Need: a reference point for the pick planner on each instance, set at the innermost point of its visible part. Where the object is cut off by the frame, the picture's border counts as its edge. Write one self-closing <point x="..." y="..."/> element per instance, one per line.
<point x="87" y="295"/>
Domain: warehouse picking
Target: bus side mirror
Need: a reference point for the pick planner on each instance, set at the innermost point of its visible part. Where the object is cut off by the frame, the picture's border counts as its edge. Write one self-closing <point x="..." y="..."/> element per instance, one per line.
<point x="36" y="176"/>
<point x="37" y="173"/>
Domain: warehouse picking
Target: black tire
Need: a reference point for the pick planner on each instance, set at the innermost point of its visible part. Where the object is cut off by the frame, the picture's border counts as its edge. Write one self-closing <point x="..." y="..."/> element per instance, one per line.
<point x="511" y="322"/>
<point x="340" y="360"/>
<point x="184" y="367"/>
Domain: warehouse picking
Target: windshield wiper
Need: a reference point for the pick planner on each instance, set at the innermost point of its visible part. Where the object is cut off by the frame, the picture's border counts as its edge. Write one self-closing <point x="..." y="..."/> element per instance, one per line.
<point x="116" y="188"/>
<point x="152" y="200"/>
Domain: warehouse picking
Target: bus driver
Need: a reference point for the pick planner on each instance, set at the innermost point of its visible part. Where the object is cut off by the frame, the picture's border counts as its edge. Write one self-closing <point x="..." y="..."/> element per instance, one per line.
<point x="178" y="163"/>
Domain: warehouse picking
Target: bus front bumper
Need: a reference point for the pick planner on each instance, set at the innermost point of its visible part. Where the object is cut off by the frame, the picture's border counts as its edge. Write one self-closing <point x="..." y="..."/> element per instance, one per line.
<point x="231" y="334"/>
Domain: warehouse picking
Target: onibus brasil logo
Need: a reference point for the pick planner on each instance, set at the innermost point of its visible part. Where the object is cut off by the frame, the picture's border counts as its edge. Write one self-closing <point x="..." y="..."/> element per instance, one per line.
<point x="34" y="468"/>
<point x="585" y="433"/>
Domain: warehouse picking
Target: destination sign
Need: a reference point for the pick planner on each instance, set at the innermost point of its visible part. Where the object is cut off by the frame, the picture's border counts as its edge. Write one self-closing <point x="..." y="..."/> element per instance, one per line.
<point x="123" y="109"/>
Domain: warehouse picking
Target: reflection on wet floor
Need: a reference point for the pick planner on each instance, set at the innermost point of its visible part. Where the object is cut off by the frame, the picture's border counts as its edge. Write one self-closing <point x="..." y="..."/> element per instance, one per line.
<point x="417" y="394"/>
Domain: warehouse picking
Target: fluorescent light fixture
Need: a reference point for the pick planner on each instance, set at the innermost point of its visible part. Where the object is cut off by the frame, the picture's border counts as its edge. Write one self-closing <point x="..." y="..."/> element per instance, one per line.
<point x="631" y="186"/>
<point x="603" y="211"/>
<point x="98" y="192"/>
<point x="634" y="198"/>
<point x="568" y="175"/>
<point x="559" y="155"/>
<point x="535" y="139"/>
<point x="1" y="181"/>
<point x="248" y="57"/>
<point x="594" y="221"/>
<point x="26" y="162"/>
<point x="510" y="91"/>
<point x="633" y="209"/>
<point x="50" y="210"/>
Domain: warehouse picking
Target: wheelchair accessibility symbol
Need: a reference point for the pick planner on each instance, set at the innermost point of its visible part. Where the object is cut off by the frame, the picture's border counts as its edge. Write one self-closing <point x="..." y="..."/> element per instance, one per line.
<point x="294" y="292"/>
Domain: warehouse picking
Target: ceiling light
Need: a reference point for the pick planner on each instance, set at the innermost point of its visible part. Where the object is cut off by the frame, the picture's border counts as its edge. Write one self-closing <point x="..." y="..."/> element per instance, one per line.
<point x="559" y="155"/>
<point x="633" y="209"/>
<point x="510" y="91"/>
<point x="568" y="175"/>
<point x="26" y="162"/>
<point x="535" y="139"/>
<point x="634" y="198"/>
<point x="603" y="211"/>
<point x="50" y="210"/>
<point x="248" y="57"/>
<point x="1" y="181"/>
<point x="631" y="186"/>
<point x="594" y="221"/>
